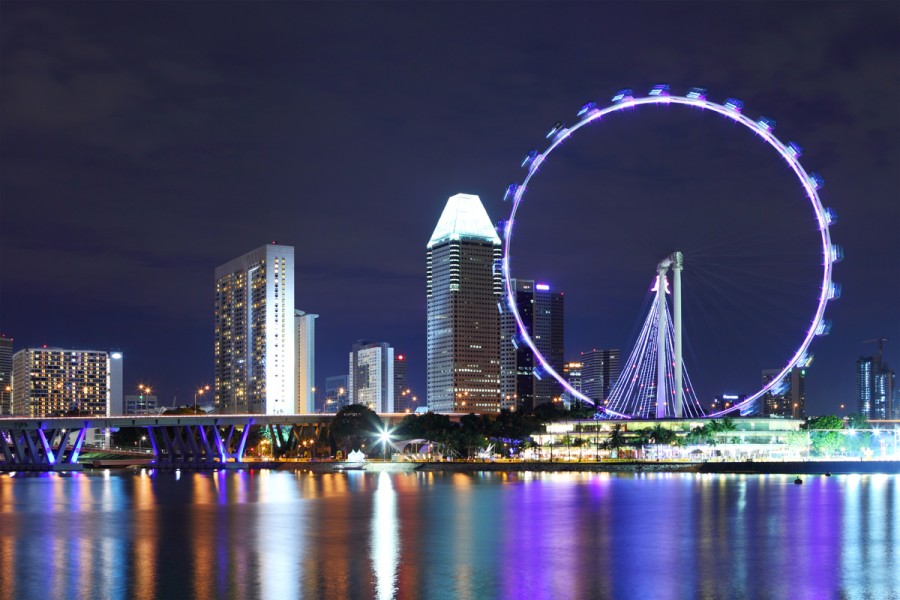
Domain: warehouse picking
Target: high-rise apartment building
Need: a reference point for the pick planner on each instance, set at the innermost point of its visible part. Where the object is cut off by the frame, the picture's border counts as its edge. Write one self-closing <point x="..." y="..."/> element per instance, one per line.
<point x="6" y="354"/>
<point x="54" y="381"/>
<point x="402" y="395"/>
<point x="371" y="378"/>
<point x="335" y="393"/>
<point x="141" y="404"/>
<point x="255" y="333"/>
<point x="523" y="383"/>
<point x="306" y="362"/>
<point x="787" y="399"/>
<point x="599" y="373"/>
<point x="464" y="288"/>
<point x="875" y="384"/>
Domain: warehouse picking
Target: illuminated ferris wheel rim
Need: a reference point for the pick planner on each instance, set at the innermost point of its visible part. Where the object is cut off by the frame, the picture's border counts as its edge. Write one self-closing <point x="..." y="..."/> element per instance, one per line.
<point x="732" y="109"/>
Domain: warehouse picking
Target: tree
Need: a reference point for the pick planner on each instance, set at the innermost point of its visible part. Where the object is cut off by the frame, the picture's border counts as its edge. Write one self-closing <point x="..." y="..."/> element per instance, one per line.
<point x="824" y="438"/>
<point x="354" y="424"/>
<point x="858" y="421"/>
<point x="616" y="438"/>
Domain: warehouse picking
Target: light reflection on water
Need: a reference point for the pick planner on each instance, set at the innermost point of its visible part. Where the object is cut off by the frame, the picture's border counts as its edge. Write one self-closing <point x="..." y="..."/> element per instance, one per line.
<point x="278" y="534"/>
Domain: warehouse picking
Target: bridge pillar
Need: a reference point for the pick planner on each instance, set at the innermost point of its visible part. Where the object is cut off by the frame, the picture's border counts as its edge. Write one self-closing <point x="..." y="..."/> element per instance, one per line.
<point x="38" y="449"/>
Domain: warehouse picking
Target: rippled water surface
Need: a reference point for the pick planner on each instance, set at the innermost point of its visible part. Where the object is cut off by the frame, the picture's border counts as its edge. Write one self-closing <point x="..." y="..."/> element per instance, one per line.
<point x="276" y="534"/>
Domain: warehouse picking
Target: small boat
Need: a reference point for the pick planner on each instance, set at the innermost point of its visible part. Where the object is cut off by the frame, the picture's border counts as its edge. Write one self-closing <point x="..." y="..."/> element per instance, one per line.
<point x="356" y="461"/>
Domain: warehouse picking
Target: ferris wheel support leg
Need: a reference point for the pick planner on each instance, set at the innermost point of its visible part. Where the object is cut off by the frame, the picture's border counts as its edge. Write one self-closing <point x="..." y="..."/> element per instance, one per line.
<point x="661" y="342"/>
<point x="677" y="266"/>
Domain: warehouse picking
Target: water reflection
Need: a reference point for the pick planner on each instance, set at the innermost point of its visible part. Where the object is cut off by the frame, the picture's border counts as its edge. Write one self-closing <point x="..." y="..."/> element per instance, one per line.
<point x="274" y="534"/>
<point x="385" y="546"/>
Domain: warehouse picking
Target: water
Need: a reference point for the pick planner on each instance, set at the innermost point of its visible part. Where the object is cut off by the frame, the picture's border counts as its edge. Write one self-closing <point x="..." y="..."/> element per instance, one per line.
<point x="276" y="534"/>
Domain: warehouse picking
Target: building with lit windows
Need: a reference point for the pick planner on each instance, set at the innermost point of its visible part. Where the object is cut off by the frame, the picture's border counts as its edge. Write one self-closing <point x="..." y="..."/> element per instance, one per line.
<point x="54" y="381"/>
<point x="787" y="399"/>
<point x="335" y="393"/>
<point x="464" y="289"/>
<point x="875" y="384"/>
<point x="6" y="354"/>
<point x="599" y="373"/>
<point x="524" y="384"/>
<point x="141" y="404"/>
<point x="371" y="378"/>
<point x="403" y="397"/>
<point x="255" y="333"/>
<point x="306" y="362"/>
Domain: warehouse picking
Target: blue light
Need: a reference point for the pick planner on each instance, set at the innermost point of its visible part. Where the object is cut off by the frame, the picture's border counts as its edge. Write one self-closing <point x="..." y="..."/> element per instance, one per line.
<point x="660" y="90"/>
<point x="622" y="95"/>
<point x="696" y="93"/>
<point x="766" y="123"/>
<point x="795" y="149"/>
<point x="556" y="127"/>
<point x="510" y="191"/>
<point x="587" y="108"/>
<point x="734" y="104"/>
<point x="532" y="154"/>
<point x="816" y="180"/>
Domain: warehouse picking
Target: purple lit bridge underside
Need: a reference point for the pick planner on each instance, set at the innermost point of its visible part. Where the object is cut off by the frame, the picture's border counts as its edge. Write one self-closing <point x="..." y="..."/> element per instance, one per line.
<point x="732" y="110"/>
<point x="50" y="444"/>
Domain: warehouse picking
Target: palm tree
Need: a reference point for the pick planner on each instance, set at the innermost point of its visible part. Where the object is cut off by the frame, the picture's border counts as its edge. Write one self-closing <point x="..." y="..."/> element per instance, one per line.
<point x="661" y="435"/>
<point x="616" y="438"/>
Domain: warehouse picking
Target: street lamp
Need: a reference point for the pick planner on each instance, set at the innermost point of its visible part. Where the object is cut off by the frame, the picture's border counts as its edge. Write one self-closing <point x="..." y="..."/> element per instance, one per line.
<point x="200" y="391"/>
<point x="141" y="443"/>
<point x="384" y="438"/>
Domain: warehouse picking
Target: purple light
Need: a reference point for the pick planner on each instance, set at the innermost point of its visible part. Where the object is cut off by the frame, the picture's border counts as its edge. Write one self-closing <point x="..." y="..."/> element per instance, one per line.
<point x="696" y="98"/>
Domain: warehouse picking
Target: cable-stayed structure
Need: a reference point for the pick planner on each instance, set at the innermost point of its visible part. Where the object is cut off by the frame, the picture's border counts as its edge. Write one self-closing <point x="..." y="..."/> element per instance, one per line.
<point x="635" y="393"/>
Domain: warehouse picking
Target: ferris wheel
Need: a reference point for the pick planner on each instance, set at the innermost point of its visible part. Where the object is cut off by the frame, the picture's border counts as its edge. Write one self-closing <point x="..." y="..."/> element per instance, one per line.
<point x="789" y="153"/>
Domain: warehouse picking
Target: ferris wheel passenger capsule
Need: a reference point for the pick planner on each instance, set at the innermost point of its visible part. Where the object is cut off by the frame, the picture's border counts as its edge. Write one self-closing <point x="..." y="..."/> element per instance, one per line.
<point x="696" y="93"/>
<point x="532" y="154"/>
<point x="816" y="181"/>
<point x="734" y="104"/>
<point x="767" y="124"/>
<point x="834" y="291"/>
<point x="794" y="149"/>
<point x="837" y="253"/>
<point x="587" y="108"/>
<point x="510" y="191"/>
<point x="660" y="90"/>
<point x="824" y="327"/>
<point x="805" y="361"/>
<point x="830" y="216"/>
<point x="558" y="126"/>
<point x="622" y="96"/>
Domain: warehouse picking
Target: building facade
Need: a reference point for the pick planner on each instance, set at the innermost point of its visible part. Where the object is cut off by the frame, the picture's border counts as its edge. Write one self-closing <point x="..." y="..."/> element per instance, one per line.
<point x="255" y="333"/>
<point x="464" y="289"/>
<point x="403" y="398"/>
<point x="54" y="381"/>
<point x="6" y="354"/>
<point x="141" y="404"/>
<point x="523" y="383"/>
<point x="306" y="362"/>
<point x="335" y="393"/>
<point x="599" y="372"/>
<point x="371" y="378"/>
<point x="787" y="399"/>
<point x="875" y="385"/>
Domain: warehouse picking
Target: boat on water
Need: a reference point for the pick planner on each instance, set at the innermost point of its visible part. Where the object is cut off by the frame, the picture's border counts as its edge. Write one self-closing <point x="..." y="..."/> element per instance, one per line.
<point x="356" y="461"/>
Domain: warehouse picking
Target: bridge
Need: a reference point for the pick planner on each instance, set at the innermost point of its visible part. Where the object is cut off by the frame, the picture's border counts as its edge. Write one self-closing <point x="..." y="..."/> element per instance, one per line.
<point x="55" y="443"/>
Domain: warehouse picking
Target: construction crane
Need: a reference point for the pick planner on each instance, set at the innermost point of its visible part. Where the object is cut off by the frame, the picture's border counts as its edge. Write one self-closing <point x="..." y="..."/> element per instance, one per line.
<point x="880" y="342"/>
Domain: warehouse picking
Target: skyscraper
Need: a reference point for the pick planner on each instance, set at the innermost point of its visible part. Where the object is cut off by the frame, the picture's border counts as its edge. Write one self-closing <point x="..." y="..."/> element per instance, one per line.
<point x="787" y="399"/>
<point x="599" y="373"/>
<point x="54" y="381"/>
<point x="306" y="362"/>
<point x="255" y="333"/>
<point x="875" y="383"/>
<point x="523" y="384"/>
<point x="402" y="394"/>
<point x="371" y="378"/>
<point x="6" y="354"/>
<point x="464" y="289"/>
<point x="335" y="393"/>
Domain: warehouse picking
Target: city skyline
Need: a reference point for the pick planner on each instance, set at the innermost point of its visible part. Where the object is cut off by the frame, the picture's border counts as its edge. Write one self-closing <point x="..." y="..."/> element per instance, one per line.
<point x="124" y="260"/>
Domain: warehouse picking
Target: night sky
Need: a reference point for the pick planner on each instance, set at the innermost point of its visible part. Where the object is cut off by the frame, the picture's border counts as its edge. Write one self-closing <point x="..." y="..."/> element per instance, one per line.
<point x="144" y="144"/>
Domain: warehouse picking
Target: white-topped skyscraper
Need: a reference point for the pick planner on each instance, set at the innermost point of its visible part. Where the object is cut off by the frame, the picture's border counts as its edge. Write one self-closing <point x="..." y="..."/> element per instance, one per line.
<point x="255" y="333"/>
<point x="464" y="291"/>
